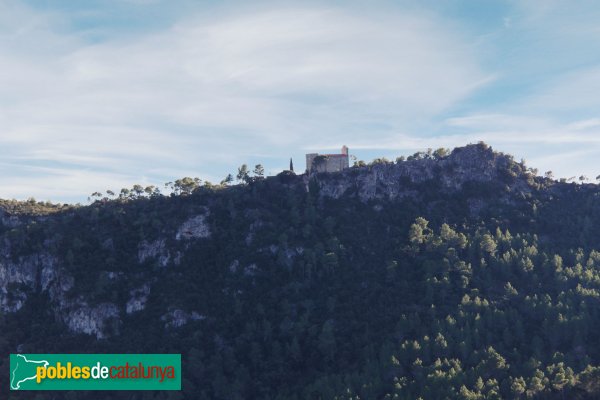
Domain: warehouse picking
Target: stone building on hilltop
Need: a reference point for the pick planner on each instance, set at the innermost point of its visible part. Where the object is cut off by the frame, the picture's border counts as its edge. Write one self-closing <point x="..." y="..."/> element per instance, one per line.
<point x="327" y="162"/>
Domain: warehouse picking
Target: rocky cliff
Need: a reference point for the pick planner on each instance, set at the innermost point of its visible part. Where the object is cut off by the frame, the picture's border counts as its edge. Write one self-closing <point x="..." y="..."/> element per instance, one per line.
<point x="47" y="270"/>
<point x="40" y="254"/>
<point x="470" y="165"/>
<point x="446" y="275"/>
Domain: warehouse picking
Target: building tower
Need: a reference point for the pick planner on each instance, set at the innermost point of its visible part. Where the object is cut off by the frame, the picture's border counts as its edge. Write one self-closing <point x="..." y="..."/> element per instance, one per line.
<point x="328" y="162"/>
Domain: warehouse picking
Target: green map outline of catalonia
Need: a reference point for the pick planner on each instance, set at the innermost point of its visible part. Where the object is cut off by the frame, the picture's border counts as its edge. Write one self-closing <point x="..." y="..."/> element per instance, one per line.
<point x="17" y="386"/>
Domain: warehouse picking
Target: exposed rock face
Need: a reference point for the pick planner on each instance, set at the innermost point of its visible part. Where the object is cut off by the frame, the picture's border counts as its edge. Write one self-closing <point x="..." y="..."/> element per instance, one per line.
<point x="194" y="228"/>
<point x="91" y="320"/>
<point x="234" y="266"/>
<point x="254" y="227"/>
<point x="17" y="277"/>
<point x="250" y="270"/>
<point x="178" y="318"/>
<point x="138" y="299"/>
<point x="9" y="221"/>
<point x="44" y="272"/>
<point x="41" y="271"/>
<point x="154" y="250"/>
<point x="470" y="164"/>
<point x="44" y="268"/>
<point x="56" y="280"/>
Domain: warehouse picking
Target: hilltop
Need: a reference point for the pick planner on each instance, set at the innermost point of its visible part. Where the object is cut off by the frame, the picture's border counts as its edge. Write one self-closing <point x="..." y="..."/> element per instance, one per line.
<point x="455" y="274"/>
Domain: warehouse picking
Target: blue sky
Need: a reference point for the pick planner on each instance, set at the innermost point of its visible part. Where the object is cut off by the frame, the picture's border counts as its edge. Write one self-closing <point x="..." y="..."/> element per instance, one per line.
<point x="100" y="95"/>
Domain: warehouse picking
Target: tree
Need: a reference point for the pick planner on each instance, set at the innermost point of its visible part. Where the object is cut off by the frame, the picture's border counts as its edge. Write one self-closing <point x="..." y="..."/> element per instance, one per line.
<point x="227" y="180"/>
<point x="380" y="160"/>
<point x="487" y="244"/>
<point x="537" y="383"/>
<point x="291" y="165"/>
<point x="319" y="162"/>
<point x="467" y="394"/>
<point x="563" y="377"/>
<point x="243" y="175"/>
<point x="440" y="153"/>
<point x="452" y="238"/>
<point x="259" y="171"/>
<point x="186" y="186"/>
<point x="419" y="231"/>
<point x="137" y="190"/>
<point x="549" y="174"/>
<point x="589" y="380"/>
<point x="518" y="386"/>
<point x="149" y="190"/>
<point x="509" y="290"/>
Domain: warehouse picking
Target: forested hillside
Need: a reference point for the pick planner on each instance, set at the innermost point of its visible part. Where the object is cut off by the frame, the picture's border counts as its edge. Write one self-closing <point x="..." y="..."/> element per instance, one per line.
<point x="457" y="275"/>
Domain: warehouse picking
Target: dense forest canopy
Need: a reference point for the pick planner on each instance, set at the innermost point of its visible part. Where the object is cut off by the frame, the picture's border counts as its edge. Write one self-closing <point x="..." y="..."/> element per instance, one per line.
<point x="447" y="275"/>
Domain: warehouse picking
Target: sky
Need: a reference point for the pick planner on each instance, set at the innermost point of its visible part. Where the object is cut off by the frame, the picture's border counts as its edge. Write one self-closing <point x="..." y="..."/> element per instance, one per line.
<point x="104" y="94"/>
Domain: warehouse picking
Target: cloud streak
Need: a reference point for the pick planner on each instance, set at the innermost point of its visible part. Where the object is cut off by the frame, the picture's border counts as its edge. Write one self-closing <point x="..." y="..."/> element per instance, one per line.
<point x="92" y="108"/>
<point x="207" y="94"/>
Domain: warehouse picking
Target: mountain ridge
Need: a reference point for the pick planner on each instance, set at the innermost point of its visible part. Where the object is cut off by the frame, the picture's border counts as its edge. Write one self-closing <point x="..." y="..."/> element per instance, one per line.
<point x="328" y="285"/>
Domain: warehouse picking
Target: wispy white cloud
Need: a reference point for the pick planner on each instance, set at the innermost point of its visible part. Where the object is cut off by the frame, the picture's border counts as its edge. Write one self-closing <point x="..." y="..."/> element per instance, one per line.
<point x="260" y="84"/>
<point x="544" y="104"/>
<point x="211" y="92"/>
